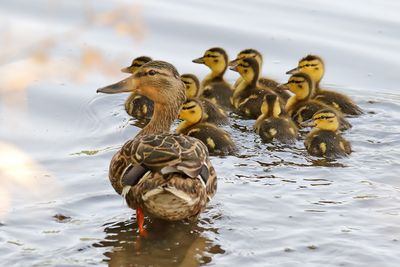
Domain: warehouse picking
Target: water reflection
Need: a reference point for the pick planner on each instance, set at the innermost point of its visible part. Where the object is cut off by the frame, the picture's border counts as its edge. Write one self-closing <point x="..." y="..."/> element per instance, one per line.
<point x="168" y="244"/>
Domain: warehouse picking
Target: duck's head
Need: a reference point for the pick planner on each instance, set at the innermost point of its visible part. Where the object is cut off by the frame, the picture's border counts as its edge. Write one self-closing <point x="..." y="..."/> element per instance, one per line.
<point x="157" y="80"/>
<point x="192" y="111"/>
<point x="324" y="119"/>
<point x="248" y="68"/>
<point x="192" y="85"/>
<point x="271" y="106"/>
<point x="247" y="53"/>
<point x="136" y="64"/>
<point x="301" y="85"/>
<point x="312" y="65"/>
<point x="215" y="58"/>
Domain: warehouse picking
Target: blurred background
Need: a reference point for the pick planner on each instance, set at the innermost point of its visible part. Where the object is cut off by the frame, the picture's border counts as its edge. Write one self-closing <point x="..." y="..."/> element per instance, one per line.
<point x="57" y="136"/>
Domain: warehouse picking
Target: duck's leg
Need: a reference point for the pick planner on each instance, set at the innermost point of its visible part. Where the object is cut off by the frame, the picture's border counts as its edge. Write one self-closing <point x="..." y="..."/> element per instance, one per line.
<point x="140" y="221"/>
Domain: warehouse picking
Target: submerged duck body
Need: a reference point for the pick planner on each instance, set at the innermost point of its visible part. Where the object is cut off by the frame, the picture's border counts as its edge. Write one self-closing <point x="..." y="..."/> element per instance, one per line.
<point x="218" y="141"/>
<point x="273" y="124"/>
<point x="314" y="66"/>
<point x="168" y="176"/>
<point x="213" y="113"/>
<point x="324" y="140"/>
<point x="214" y="87"/>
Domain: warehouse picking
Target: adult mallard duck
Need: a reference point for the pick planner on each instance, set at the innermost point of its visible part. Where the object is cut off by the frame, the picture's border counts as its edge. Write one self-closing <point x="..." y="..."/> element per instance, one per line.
<point x="302" y="106"/>
<point x="263" y="82"/>
<point x="218" y="141"/>
<point x="212" y="112"/>
<point x="325" y="140"/>
<point x="168" y="176"/>
<point x="136" y="105"/>
<point x="273" y="124"/>
<point x="314" y="66"/>
<point x="248" y="96"/>
<point x="214" y="86"/>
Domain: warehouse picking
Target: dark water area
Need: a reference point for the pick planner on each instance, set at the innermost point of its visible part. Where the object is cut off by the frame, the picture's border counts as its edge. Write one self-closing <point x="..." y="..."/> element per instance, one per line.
<point x="275" y="205"/>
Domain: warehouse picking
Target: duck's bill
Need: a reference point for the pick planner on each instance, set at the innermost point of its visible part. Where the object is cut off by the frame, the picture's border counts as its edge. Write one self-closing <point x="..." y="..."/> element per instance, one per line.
<point x="126" y="70"/>
<point x="283" y="86"/>
<point x="234" y="68"/>
<point x="292" y="71"/>
<point x="308" y="123"/>
<point x="199" y="60"/>
<point x="119" y="87"/>
<point x="233" y="63"/>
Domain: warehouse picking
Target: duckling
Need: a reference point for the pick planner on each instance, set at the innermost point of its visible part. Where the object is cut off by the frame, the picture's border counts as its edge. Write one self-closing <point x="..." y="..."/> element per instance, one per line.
<point x="248" y="96"/>
<point x="324" y="140"/>
<point x="263" y="82"/>
<point x="212" y="112"/>
<point x="217" y="140"/>
<point x="315" y="67"/>
<point x="138" y="106"/>
<point x="301" y="106"/>
<point x="214" y="86"/>
<point x="168" y="176"/>
<point x="273" y="123"/>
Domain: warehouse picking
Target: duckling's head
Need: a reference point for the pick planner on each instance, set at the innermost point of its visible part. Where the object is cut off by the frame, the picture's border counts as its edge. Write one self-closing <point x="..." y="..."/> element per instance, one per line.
<point x="271" y="106"/>
<point x="248" y="53"/>
<point x="215" y="58"/>
<point x="325" y="119"/>
<point x="192" y="111"/>
<point x="192" y="85"/>
<point x="136" y="63"/>
<point x="157" y="80"/>
<point x="248" y="68"/>
<point x="312" y="65"/>
<point x="301" y="85"/>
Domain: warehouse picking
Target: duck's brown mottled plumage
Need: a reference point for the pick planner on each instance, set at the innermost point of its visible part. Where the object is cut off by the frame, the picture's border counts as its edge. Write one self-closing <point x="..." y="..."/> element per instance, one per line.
<point x="178" y="177"/>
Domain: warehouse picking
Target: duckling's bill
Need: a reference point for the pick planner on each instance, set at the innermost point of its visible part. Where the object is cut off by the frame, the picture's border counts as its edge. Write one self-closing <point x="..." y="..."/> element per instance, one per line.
<point x="292" y="71"/>
<point x="308" y="123"/>
<point x="199" y="60"/>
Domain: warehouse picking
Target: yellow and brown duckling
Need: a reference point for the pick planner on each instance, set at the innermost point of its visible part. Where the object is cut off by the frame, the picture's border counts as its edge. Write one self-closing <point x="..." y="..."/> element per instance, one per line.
<point x="214" y="87"/>
<point x="136" y="105"/>
<point x="301" y="106"/>
<point x="212" y="112"/>
<point x="168" y="176"/>
<point x="218" y="141"/>
<point x="263" y="82"/>
<point x="325" y="140"/>
<point x="248" y="96"/>
<point x="314" y="66"/>
<point x="274" y="124"/>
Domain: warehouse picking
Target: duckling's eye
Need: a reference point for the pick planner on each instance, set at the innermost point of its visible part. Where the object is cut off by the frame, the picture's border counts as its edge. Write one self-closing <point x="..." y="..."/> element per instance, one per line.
<point x="152" y="72"/>
<point x="307" y="65"/>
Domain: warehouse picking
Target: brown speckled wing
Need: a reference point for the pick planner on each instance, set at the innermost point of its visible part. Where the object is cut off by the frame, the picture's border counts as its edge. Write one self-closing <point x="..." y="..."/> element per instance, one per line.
<point x="169" y="153"/>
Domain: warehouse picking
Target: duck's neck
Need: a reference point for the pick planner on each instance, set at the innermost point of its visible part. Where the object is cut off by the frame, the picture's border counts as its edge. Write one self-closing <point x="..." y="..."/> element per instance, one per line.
<point x="163" y="117"/>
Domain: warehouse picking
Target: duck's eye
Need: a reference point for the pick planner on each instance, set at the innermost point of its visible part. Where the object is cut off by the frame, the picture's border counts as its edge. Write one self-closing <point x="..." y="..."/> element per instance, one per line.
<point x="152" y="72"/>
<point x="307" y="65"/>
